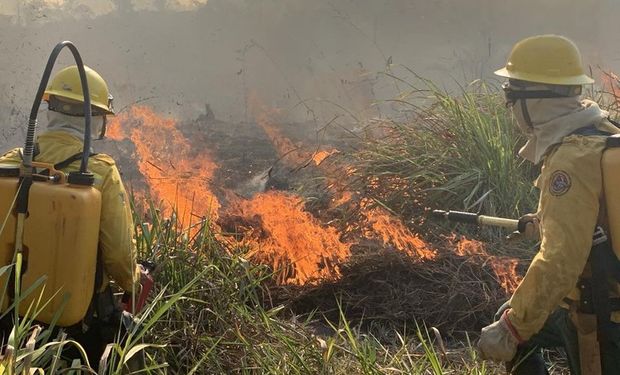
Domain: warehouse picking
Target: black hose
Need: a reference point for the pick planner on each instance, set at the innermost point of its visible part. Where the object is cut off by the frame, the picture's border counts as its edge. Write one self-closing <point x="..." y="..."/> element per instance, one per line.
<point x="458" y="216"/>
<point x="32" y="122"/>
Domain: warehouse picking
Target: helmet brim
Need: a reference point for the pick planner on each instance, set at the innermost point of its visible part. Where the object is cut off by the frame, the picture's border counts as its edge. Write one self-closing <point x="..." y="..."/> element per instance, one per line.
<point x="581" y="79"/>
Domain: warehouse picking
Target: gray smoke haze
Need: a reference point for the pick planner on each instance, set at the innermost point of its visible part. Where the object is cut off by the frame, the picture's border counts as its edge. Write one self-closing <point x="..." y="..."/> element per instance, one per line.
<point x="309" y="58"/>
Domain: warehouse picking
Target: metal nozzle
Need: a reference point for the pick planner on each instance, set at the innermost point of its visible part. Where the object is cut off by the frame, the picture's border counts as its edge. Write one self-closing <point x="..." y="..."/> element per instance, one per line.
<point x="440" y="213"/>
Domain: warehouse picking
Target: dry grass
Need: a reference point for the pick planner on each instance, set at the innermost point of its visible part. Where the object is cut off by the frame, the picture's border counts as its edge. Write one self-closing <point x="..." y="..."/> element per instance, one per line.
<point x="456" y="294"/>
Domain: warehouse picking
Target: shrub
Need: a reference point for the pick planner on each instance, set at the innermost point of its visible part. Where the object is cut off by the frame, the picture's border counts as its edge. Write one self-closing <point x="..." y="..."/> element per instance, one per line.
<point x="450" y="152"/>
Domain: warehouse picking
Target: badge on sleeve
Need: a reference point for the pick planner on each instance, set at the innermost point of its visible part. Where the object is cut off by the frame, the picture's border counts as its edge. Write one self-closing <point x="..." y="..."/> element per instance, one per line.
<point x="560" y="183"/>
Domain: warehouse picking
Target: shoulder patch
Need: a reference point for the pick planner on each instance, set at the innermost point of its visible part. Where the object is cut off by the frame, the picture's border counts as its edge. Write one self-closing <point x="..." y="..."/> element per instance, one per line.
<point x="559" y="183"/>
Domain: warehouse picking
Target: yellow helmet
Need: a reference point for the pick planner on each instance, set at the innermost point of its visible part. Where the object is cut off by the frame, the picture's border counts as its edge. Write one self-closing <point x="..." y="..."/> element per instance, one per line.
<point x="550" y="59"/>
<point x="66" y="84"/>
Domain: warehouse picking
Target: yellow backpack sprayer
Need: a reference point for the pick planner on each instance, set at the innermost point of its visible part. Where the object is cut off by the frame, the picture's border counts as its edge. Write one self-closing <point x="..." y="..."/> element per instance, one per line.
<point x="49" y="226"/>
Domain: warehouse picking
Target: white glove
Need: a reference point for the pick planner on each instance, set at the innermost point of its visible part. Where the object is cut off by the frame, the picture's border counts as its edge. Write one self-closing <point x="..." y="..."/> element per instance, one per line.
<point x="499" y="341"/>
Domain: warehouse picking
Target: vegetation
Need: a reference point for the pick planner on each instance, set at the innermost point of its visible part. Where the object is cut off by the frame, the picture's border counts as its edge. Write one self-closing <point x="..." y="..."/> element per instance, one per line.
<point x="213" y="311"/>
<point x="209" y="317"/>
<point x="224" y="323"/>
<point x="449" y="152"/>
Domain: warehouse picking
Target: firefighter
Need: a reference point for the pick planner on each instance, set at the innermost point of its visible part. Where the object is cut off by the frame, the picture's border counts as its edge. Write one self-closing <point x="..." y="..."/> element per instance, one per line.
<point x="552" y="306"/>
<point x="62" y="144"/>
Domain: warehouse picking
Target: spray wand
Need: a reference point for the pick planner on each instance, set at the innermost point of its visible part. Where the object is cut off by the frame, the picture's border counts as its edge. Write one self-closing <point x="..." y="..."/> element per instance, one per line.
<point x="474" y="218"/>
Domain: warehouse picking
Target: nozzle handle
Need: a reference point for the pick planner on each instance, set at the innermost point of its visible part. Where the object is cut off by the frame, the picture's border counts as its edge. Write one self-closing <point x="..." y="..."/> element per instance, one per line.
<point x="511" y="224"/>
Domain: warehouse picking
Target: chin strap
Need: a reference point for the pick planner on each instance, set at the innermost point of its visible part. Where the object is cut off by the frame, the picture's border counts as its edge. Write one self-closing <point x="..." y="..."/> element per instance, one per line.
<point x="514" y="95"/>
<point x="526" y="114"/>
<point x="104" y="127"/>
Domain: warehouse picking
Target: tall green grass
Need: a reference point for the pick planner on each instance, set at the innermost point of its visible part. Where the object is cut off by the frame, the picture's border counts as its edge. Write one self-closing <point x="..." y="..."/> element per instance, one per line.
<point x="450" y="151"/>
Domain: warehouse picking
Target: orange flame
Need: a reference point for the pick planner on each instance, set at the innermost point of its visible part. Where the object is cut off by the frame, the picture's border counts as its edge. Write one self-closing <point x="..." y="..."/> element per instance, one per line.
<point x="296" y="244"/>
<point x="380" y="224"/>
<point x="176" y="174"/>
<point x="284" y="146"/>
<point x="611" y="83"/>
<point x="319" y="156"/>
<point x="287" y="149"/>
<point x="465" y="247"/>
<point x="504" y="268"/>
<point x="391" y="231"/>
<point x="291" y="239"/>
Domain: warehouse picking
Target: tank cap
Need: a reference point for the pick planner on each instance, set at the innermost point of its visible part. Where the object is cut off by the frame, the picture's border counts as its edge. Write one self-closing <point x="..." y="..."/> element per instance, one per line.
<point x="9" y="170"/>
<point x="84" y="179"/>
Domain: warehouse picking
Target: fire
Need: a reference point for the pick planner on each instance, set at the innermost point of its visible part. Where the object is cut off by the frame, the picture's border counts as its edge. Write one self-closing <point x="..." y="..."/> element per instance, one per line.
<point x="298" y="246"/>
<point x="293" y="242"/>
<point x="465" y="247"/>
<point x="285" y="147"/>
<point x="290" y="239"/>
<point x="391" y="231"/>
<point x="320" y="156"/>
<point x="115" y="129"/>
<point x="293" y="153"/>
<point x="379" y="225"/>
<point x="176" y="174"/>
<point x="504" y="268"/>
<point x="611" y="85"/>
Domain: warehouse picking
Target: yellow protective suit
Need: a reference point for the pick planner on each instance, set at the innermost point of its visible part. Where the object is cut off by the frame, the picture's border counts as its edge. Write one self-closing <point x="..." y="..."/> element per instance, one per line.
<point x="570" y="206"/>
<point x="117" y="246"/>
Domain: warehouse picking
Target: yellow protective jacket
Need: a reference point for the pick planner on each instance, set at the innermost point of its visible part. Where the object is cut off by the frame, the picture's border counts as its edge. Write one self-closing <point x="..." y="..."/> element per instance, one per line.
<point x="571" y="205"/>
<point x="118" y="251"/>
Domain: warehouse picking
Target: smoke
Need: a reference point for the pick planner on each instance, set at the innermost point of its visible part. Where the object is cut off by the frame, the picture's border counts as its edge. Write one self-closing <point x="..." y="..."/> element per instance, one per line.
<point x="316" y="60"/>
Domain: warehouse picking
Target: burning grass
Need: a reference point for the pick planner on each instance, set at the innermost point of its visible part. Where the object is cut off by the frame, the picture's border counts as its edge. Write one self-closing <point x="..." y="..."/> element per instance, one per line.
<point x="456" y="152"/>
<point x="289" y="239"/>
<point x="313" y="248"/>
<point x="228" y="321"/>
<point x="335" y="282"/>
<point x="176" y="174"/>
<point x="339" y="252"/>
<point x="457" y="293"/>
<point x="392" y="232"/>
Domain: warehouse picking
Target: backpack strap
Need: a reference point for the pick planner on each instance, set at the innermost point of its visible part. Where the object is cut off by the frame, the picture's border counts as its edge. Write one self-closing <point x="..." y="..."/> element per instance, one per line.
<point x="65" y="163"/>
<point x="60" y="165"/>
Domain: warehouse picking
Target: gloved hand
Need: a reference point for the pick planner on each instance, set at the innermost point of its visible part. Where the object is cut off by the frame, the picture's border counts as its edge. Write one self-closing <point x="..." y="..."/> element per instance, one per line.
<point x="499" y="341"/>
<point x="532" y="228"/>
<point x="146" y="284"/>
